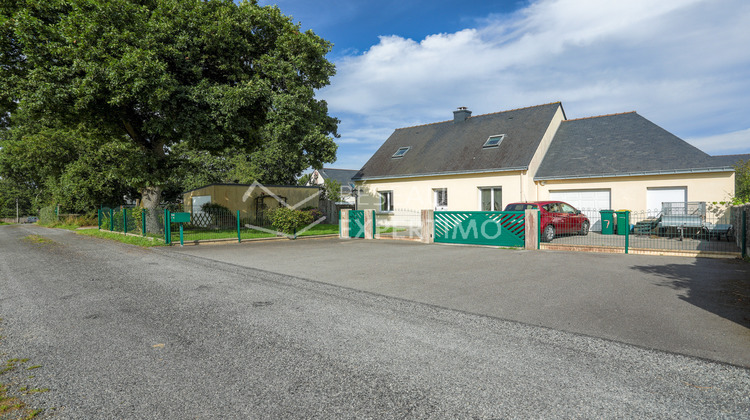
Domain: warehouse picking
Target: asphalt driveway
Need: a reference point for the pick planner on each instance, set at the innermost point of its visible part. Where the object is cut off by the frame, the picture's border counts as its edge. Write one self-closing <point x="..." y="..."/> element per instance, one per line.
<point x="693" y="306"/>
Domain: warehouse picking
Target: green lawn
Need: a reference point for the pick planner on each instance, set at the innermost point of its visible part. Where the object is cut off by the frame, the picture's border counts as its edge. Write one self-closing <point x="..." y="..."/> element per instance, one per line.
<point x="128" y="239"/>
<point x="245" y="233"/>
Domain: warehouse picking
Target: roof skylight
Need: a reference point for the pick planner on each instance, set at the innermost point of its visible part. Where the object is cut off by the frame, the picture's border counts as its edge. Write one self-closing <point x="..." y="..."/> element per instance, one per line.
<point x="400" y="152"/>
<point x="494" y="141"/>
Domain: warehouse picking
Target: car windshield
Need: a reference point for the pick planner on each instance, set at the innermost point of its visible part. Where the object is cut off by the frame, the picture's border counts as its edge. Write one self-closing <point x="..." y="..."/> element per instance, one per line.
<point x="520" y="207"/>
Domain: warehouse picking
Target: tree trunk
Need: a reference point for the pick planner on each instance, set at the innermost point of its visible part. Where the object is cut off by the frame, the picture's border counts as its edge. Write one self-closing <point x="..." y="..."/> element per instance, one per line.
<point x="151" y="198"/>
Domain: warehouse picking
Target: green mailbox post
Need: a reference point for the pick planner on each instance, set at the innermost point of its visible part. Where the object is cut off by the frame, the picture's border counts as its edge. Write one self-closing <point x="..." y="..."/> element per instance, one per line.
<point x="623" y="222"/>
<point x="608" y="222"/>
<point x="179" y="218"/>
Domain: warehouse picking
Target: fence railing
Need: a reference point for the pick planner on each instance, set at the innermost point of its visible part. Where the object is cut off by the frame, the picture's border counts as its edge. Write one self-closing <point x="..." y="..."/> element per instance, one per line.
<point x="401" y="224"/>
<point x="647" y="232"/>
<point x="216" y="224"/>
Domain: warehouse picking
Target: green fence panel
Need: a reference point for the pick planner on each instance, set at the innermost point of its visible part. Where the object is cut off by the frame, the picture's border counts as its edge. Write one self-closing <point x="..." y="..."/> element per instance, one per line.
<point x="356" y="223"/>
<point x="496" y="228"/>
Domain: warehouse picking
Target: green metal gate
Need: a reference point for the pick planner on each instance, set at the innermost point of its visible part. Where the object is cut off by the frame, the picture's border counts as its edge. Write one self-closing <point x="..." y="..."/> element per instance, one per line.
<point x="356" y="223"/>
<point x="496" y="228"/>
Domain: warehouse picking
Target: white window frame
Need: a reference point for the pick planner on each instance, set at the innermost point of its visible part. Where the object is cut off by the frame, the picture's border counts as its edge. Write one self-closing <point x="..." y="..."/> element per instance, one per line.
<point x="487" y="143"/>
<point x="440" y="204"/>
<point x="400" y="152"/>
<point x="492" y="197"/>
<point x="386" y="201"/>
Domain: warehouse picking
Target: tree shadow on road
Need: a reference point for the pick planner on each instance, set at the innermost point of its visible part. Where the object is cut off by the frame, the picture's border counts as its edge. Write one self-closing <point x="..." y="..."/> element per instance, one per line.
<point x="718" y="286"/>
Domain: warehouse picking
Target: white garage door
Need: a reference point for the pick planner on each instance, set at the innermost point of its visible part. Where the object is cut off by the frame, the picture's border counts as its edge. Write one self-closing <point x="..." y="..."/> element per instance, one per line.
<point x="656" y="196"/>
<point x="588" y="201"/>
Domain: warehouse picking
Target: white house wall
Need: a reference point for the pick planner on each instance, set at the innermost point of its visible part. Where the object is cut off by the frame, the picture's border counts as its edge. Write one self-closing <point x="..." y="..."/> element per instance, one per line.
<point x="414" y="194"/>
<point x="630" y="192"/>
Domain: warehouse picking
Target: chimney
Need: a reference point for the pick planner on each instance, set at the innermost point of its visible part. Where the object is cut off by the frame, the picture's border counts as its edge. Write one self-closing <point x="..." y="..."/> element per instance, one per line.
<point x="461" y="114"/>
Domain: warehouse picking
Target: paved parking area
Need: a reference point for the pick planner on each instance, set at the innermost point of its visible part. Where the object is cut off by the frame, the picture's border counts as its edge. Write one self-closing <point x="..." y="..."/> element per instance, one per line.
<point x="693" y="306"/>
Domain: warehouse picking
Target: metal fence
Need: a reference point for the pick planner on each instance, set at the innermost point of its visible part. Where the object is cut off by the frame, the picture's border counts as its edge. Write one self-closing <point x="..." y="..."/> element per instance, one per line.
<point x="400" y="224"/>
<point x="679" y="229"/>
<point x="214" y="224"/>
<point x="133" y="220"/>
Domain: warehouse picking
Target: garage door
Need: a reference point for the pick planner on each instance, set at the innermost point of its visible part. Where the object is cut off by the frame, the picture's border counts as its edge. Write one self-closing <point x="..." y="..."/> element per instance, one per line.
<point x="588" y="201"/>
<point x="656" y="196"/>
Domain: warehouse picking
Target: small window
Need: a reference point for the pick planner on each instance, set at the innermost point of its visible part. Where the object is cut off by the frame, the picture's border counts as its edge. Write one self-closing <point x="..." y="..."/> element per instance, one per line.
<point x="494" y="141"/>
<point x="441" y="198"/>
<point x="491" y="199"/>
<point x="400" y="152"/>
<point x="386" y="200"/>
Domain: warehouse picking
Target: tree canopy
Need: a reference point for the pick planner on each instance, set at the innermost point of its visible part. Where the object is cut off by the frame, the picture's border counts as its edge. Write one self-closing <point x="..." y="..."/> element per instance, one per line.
<point x="139" y="88"/>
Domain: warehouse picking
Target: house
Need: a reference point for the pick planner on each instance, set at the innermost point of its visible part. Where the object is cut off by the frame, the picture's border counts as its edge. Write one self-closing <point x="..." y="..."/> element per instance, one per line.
<point x="342" y="176"/>
<point x="253" y="201"/>
<point x="731" y="160"/>
<point x="484" y="162"/>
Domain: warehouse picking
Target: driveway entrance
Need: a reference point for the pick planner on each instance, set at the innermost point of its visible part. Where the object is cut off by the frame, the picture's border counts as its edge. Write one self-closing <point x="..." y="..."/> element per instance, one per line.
<point x="694" y="306"/>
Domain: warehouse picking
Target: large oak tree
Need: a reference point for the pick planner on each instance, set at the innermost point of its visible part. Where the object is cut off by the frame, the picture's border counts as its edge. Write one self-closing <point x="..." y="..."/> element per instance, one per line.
<point x="197" y="76"/>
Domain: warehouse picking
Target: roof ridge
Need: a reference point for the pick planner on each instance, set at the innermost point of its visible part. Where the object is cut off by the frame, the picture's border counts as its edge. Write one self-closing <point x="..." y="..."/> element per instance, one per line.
<point x="599" y="116"/>
<point x="482" y="115"/>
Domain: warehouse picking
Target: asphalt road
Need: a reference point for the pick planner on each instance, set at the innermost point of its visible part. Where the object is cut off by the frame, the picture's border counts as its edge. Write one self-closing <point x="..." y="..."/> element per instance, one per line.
<point x="692" y="306"/>
<point x="124" y="332"/>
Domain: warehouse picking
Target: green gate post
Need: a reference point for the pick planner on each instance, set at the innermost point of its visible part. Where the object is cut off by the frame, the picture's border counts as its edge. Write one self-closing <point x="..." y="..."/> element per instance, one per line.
<point x="539" y="231"/>
<point x="111" y="220"/>
<point x="167" y="235"/>
<point x="169" y="226"/>
<point x="744" y="232"/>
<point x="124" y="220"/>
<point x="239" y="238"/>
<point x="143" y="222"/>
<point x="99" y="218"/>
<point x="181" y="241"/>
<point x="627" y="231"/>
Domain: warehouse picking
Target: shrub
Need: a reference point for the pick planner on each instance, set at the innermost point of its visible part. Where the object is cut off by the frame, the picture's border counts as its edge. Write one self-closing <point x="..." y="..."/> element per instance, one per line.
<point x="288" y="220"/>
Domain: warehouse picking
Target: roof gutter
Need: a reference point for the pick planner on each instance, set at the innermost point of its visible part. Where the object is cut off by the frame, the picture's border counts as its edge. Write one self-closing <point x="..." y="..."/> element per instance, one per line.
<point x="423" y="175"/>
<point x="646" y="173"/>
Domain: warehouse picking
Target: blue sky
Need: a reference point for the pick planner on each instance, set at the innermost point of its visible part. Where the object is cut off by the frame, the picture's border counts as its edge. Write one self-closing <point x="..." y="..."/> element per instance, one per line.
<point x="683" y="64"/>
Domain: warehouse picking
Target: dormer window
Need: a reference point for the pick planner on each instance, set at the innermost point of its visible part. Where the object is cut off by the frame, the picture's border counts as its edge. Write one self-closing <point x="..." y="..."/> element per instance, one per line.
<point x="400" y="152"/>
<point x="493" y="141"/>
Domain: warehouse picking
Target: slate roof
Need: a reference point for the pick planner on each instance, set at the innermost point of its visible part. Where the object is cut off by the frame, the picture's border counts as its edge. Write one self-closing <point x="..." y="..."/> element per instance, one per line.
<point x="730" y="160"/>
<point x="343" y="176"/>
<point x="456" y="147"/>
<point x="619" y="145"/>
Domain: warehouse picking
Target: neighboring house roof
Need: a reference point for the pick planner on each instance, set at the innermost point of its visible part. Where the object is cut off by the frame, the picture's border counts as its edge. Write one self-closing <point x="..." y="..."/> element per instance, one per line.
<point x="730" y="160"/>
<point x="343" y="176"/>
<point x="456" y="146"/>
<point x="620" y="145"/>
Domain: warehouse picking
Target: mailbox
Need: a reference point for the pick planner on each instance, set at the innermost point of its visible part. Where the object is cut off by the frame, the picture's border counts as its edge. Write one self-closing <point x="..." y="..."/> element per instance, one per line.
<point x="180" y="217"/>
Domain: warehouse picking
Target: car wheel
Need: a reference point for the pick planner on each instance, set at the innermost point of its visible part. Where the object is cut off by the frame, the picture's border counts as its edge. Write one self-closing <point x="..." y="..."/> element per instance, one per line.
<point x="548" y="234"/>
<point x="584" y="228"/>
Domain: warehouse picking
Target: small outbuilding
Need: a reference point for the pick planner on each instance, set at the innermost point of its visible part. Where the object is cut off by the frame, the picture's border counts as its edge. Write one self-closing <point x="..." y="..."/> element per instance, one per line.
<point x="253" y="201"/>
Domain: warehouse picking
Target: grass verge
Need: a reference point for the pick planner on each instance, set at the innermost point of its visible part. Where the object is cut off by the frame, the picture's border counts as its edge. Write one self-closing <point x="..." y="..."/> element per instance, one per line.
<point x="245" y="233"/>
<point x="127" y="239"/>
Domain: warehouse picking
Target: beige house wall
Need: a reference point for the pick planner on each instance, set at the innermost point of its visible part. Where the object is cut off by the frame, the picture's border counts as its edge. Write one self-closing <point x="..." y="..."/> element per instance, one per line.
<point x="415" y="194"/>
<point x="629" y="192"/>
<point x="529" y="190"/>
<point x="242" y="197"/>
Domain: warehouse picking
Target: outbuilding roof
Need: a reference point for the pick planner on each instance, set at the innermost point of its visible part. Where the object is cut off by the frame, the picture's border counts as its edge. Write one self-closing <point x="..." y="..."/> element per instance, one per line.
<point x="620" y="145"/>
<point x="459" y="145"/>
<point x="343" y="176"/>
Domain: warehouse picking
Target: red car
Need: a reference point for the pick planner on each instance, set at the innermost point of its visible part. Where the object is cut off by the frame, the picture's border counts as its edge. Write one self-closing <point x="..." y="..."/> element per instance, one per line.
<point x="557" y="217"/>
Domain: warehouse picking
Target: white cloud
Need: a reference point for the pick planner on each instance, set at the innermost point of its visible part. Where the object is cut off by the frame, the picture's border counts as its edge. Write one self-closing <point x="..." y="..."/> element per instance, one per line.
<point x="681" y="64"/>
<point x="737" y="142"/>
